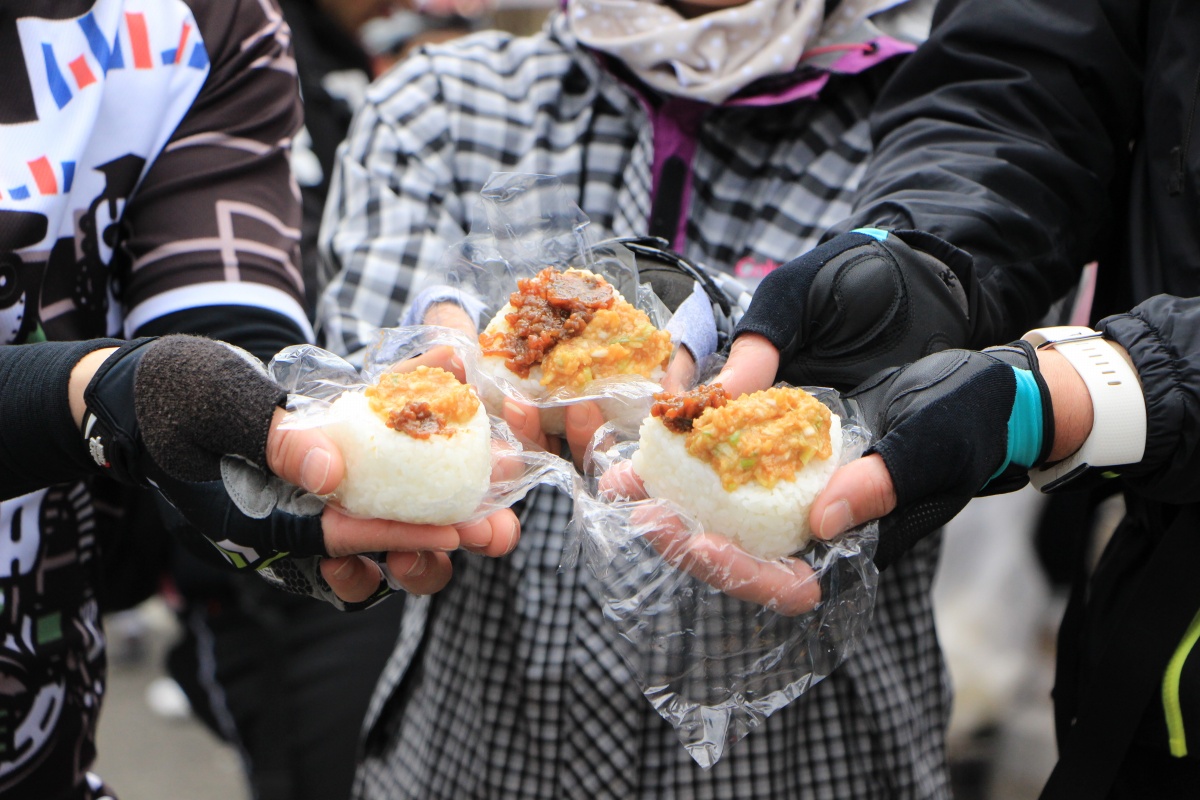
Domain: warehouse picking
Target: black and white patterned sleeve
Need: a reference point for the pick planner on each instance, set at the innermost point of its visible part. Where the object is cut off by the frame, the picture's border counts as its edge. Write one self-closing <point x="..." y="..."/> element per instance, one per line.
<point x="394" y="205"/>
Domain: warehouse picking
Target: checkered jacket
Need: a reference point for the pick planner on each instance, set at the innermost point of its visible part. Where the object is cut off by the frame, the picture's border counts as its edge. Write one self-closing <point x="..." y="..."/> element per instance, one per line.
<point x="509" y="683"/>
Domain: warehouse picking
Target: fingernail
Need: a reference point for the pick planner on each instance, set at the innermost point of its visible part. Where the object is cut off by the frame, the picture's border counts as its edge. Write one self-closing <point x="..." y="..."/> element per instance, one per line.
<point x="513" y="537"/>
<point x="344" y="569"/>
<point x="836" y="519"/>
<point x="456" y="364"/>
<point x="418" y="566"/>
<point x="315" y="469"/>
<point x="515" y="414"/>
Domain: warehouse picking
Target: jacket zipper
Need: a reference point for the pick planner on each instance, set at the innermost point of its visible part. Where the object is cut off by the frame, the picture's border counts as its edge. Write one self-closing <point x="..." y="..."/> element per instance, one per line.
<point x="1179" y="152"/>
<point x="1172" y="710"/>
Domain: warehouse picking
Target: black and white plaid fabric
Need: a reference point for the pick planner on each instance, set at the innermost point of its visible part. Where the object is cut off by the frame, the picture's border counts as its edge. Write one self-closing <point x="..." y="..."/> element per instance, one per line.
<point x="509" y="683"/>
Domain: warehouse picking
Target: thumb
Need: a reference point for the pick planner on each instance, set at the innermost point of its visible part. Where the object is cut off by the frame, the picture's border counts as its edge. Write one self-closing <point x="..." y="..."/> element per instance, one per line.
<point x="752" y="365"/>
<point x="450" y="315"/>
<point x="304" y="457"/>
<point x="856" y="493"/>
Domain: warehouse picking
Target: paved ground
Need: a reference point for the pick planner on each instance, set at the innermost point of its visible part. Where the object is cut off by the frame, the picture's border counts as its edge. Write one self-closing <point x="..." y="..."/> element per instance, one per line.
<point x="146" y="756"/>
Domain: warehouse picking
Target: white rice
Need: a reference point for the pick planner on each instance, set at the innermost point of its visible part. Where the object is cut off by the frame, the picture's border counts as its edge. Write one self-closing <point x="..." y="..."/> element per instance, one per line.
<point x="768" y="523"/>
<point x="391" y="475"/>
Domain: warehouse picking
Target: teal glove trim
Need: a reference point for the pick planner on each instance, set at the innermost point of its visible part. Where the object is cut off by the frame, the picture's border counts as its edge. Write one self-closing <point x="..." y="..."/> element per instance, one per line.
<point x="875" y="233"/>
<point x="1024" y="424"/>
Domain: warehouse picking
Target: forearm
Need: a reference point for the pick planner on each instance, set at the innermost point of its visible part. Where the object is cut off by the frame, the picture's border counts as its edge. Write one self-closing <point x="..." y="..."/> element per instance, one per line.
<point x="40" y="442"/>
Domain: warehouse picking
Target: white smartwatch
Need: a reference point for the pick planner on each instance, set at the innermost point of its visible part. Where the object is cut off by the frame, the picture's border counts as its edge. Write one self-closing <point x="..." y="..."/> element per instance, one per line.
<point x="1118" y="406"/>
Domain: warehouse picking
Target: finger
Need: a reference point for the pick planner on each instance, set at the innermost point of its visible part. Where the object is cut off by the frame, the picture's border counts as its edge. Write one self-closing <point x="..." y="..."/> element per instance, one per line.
<point x="508" y="464"/>
<point x="304" y="457"/>
<point x="582" y="422"/>
<point x="442" y="357"/>
<point x="421" y="573"/>
<point x="525" y="422"/>
<point x="856" y="493"/>
<point x="450" y="315"/>
<point x="345" y="535"/>
<point x="494" y="536"/>
<point x="752" y="365"/>
<point x="787" y="586"/>
<point x="352" y="578"/>
<point x="621" y="481"/>
<point x="681" y="373"/>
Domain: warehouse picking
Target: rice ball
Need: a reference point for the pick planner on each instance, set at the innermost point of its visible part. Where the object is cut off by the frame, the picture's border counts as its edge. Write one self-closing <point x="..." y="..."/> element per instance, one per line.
<point x="417" y="448"/>
<point x="561" y="331"/>
<point x="767" y="515"/>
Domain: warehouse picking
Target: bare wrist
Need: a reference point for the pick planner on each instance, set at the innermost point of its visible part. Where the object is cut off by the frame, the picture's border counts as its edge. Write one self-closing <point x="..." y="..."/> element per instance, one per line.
<point x="1072" y="403"/>
<point x="81" y="376"/>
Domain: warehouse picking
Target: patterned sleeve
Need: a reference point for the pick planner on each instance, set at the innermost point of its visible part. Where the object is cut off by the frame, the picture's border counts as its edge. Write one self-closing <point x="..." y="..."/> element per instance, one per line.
<point x="394" y="205"/>
<point x="215" y="221"/>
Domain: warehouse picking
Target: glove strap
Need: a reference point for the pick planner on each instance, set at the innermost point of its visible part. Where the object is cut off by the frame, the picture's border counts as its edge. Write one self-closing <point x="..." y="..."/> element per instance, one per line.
<point x="1025" y="428"/>
<point x="110" y="426"/>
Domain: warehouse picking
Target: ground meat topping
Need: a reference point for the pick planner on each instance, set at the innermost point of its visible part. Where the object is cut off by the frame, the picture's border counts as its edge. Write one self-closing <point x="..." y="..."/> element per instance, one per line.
<point x="417" y="420"/>
<point x="548" y="308"/>
<point x="423" y="402"/>
<point x="679" y="411"/>
<point x="764" y="437"/>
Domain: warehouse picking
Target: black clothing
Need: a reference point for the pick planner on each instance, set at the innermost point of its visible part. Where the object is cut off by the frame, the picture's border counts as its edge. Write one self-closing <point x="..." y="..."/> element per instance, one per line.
<point x="330" y="64"/>
<point x="1036" y="137"/>
<point x="39" y="442"/>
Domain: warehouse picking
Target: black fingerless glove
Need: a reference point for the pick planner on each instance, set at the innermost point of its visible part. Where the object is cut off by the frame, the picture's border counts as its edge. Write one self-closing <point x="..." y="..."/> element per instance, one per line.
<point x="165" y="412"/>
<point x="861" y="302"/>
<point x="952" y="426"/>
<point x="177" y="405"/>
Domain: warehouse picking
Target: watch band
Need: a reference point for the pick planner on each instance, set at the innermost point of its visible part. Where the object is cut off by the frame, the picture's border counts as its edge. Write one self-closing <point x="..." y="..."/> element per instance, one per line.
<point x="1118" y="433"/>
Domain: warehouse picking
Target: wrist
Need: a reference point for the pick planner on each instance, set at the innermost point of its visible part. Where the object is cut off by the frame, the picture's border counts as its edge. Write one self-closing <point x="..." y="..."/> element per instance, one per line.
<point x="1072" y="403"/>
<point x="81" y="376"/>
<point x="1108" y="429"/>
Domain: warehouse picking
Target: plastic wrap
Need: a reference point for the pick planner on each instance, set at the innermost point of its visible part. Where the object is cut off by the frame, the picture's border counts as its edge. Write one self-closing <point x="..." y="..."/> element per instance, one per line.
<point x="715" y="666"/>
<point x="528" y="223"/>
<point x="315" y="379"/>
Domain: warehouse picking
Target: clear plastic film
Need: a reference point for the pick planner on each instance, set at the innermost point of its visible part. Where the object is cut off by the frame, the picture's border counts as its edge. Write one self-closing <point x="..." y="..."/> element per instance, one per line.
<point x="714" y="662"/>
<point x="442" y="479"/>
<point x="528" y="224"/>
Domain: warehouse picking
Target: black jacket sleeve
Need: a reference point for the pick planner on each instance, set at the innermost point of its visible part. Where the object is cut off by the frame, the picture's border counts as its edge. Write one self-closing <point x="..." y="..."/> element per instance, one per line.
<point x="40" y="445"/>
<point x="1006" y="134"/>
<point x="1162" y="336"/>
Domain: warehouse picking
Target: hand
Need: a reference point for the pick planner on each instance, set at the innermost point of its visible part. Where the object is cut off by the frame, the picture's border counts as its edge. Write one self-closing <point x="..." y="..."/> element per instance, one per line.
<point x="861" y="302"/>
<point x="787" y="586"/>
<point x="417" y="555"/>
<point x="165" y="412"/>
<point x="944" y="425"/>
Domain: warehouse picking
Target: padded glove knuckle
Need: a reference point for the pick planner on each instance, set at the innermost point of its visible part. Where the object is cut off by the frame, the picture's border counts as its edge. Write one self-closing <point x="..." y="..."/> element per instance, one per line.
<point x="198" y="400"/>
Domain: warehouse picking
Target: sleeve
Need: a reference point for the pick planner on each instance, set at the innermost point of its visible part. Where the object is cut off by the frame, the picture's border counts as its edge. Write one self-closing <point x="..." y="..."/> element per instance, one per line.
<point x="394" y="205"/>
<point x="1005" y="135"/>
<point x="1162" y="336"/>
<point x="215" y="222"/>
<point x="40" y="445"/>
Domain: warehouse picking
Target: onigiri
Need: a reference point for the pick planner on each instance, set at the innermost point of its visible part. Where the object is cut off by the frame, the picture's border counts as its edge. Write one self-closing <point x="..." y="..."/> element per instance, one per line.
<point x="560" y="331"/>
<point x="417" y="448"/>
<point x="748" y="468"/>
